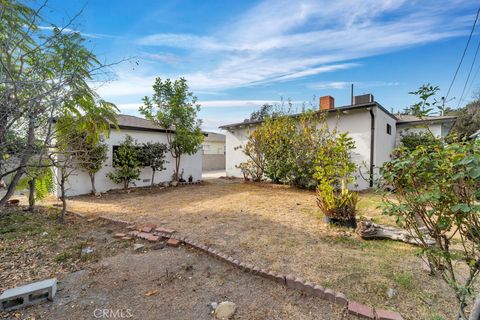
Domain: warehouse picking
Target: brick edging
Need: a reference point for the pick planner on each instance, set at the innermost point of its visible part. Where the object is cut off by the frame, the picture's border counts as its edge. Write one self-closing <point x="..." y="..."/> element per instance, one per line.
<point x="290" y="281"/>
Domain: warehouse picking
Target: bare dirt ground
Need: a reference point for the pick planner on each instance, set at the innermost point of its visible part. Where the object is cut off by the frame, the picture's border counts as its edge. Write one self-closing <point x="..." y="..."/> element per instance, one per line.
<point x="281" y="229"/>
<point x="115" y="282"/>
<point x="175" y="284"/>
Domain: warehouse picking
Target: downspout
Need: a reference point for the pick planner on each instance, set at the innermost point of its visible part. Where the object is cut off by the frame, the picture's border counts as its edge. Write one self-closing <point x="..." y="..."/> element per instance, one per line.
<point x="372" y="145"/>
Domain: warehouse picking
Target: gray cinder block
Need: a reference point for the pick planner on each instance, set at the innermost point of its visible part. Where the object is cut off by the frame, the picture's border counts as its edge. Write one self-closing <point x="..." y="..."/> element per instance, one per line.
<point x="29" y="294"/>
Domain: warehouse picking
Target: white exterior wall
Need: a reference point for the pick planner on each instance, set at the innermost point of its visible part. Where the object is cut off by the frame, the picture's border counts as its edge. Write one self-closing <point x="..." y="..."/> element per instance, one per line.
<point x="235" y="141"/>
<point x="384" y="142"/>
<point x="214" y="147"/>
<point x="79" y="181"/>
<point x="438" y="129"/>
<point x="355" y="122"/>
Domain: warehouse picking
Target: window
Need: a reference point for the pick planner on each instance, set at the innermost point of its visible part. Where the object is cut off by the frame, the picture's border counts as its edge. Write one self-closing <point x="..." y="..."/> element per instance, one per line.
<point x="206" y="147"/>
<point x="389" y="129"/>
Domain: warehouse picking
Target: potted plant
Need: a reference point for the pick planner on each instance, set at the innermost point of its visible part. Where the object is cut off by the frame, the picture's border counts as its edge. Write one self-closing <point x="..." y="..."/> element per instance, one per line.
<point x="339" y="206"/>
<point x="334" y="172"/>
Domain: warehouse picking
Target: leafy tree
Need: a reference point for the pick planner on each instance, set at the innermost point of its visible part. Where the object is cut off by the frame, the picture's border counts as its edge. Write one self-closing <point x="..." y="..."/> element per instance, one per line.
<point x="265" y="111"/>
<point x="174" y="107"/>
<point x="153" y="156"/>
<point x="91" y="159"/>
<point x="424" y="106"/>
<point x="468" y="120"/>
<point x="39" y="181"/>
<point x="126" y="163"/>
<point x="436" y="197"/>
<point x="43" y="75"/>
<point x="74" y="135"/>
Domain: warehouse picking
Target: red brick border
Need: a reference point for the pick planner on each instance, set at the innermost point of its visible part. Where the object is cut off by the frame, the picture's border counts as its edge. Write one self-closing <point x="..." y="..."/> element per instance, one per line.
<point x="290" y="281"/>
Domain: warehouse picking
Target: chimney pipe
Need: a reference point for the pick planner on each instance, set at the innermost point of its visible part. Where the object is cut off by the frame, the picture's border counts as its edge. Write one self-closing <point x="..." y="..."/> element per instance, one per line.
<point x="327" y="103"/>
<point x="351" y="96"/>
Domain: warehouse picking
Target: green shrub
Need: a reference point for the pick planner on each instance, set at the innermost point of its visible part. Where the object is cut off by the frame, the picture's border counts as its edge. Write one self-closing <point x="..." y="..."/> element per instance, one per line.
<point x="126" y="163"/>
<point x="412" y="140"/>
<point x="438" y="185"/>
<point x="284" y="149"/>
<point x="334" y="171"/>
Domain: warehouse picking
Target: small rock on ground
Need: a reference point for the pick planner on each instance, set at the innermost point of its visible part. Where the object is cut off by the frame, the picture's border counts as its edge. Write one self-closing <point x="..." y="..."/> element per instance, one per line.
<point x="138" y="247"/>
<point x="225" y="310"/>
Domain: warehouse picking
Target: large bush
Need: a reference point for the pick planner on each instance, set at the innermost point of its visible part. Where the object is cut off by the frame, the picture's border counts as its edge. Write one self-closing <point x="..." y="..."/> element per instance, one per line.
<point x="284" y="149"/>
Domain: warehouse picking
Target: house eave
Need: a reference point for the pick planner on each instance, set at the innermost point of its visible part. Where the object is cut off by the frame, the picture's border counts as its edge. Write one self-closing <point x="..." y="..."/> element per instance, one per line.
<point x="338" y="109"/>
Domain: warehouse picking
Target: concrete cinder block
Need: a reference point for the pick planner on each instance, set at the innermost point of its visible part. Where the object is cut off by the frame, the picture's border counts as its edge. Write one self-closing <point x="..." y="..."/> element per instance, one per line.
<point x="27" y="295"/>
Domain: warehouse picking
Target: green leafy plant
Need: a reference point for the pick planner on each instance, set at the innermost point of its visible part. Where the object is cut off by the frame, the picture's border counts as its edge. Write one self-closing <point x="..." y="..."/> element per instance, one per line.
<point x="411" y="140"/>
<point x="436" y="197"/>
<point x="334" y="171"/>
<point x="153" y="155"/>
<point x="126" y="163"/>
<point x="284" y="148"/>
<point x="92" y="158"/>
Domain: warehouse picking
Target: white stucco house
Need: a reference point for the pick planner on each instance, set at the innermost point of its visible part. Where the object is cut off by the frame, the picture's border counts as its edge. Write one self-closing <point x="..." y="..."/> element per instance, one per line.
<point x="375" y="130"/>
<point x="142" y="131"/>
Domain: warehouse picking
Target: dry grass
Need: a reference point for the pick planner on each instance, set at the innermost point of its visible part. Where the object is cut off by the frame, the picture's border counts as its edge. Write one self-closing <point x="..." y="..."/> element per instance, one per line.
<point x="281" y="229"/>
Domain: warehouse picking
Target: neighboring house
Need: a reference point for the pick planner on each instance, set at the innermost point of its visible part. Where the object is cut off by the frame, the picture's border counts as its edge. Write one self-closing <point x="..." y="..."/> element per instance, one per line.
<point x="213" y="148"/>
<point x="440" y="126"/>
<point x="374" y="129"/>
<point x="142" y="131"/>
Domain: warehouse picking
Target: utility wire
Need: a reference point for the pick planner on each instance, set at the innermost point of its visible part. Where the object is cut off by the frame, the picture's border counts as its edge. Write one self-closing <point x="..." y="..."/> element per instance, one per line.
<point x="469" y="74"/>
<point x="473" y="79"/>
<point x="463" y="54"/>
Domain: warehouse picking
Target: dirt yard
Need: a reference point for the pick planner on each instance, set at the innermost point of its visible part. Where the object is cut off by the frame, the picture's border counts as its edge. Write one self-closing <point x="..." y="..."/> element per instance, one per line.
<point x="281" y="229"/>
<point x="114" y="281"/>
<point x="176" y="284"/>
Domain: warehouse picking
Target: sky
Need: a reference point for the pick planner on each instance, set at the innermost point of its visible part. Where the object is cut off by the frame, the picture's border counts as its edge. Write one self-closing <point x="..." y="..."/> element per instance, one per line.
<point x="238" y="55"/>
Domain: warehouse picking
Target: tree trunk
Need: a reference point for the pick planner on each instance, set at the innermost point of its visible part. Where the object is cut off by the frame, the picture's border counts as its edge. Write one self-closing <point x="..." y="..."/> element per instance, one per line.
<point x="125" y="184"/>
<point x="31" y="194"/>
<point x="92" y="180"/>
<point x="153" y="176"/>
<point x="475" y="314"/>
<point x="61" y="218"/>
<point x="177" y="167"/>
<point x="23" y="161"/>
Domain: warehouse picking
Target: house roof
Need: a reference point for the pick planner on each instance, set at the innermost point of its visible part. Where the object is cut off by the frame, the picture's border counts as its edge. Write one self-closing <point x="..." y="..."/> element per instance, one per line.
<point x="128" y="122"/>
<point x="214" y="137"/>
<point x="337" y="109"/>
<point x="408" y="119"/>
<point x="400" y="119"/>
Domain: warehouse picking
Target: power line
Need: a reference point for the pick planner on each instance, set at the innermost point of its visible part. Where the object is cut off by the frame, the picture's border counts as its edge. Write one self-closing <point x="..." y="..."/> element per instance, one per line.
<point x="473" y="79"/>
<point x="463" y="54"/>
<point x="469" y="74"/>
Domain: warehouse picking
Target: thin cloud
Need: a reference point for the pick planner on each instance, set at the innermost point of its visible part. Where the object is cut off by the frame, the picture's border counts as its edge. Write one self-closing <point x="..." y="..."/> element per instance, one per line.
<point x="241" y="103"/>
<point x="84" y="34"/>
<point x="338" y="85"/>
<point x="302" y="39"/>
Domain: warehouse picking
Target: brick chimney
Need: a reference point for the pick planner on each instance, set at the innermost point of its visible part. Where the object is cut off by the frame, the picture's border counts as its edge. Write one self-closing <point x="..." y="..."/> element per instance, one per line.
<point x="327" y="103"/>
